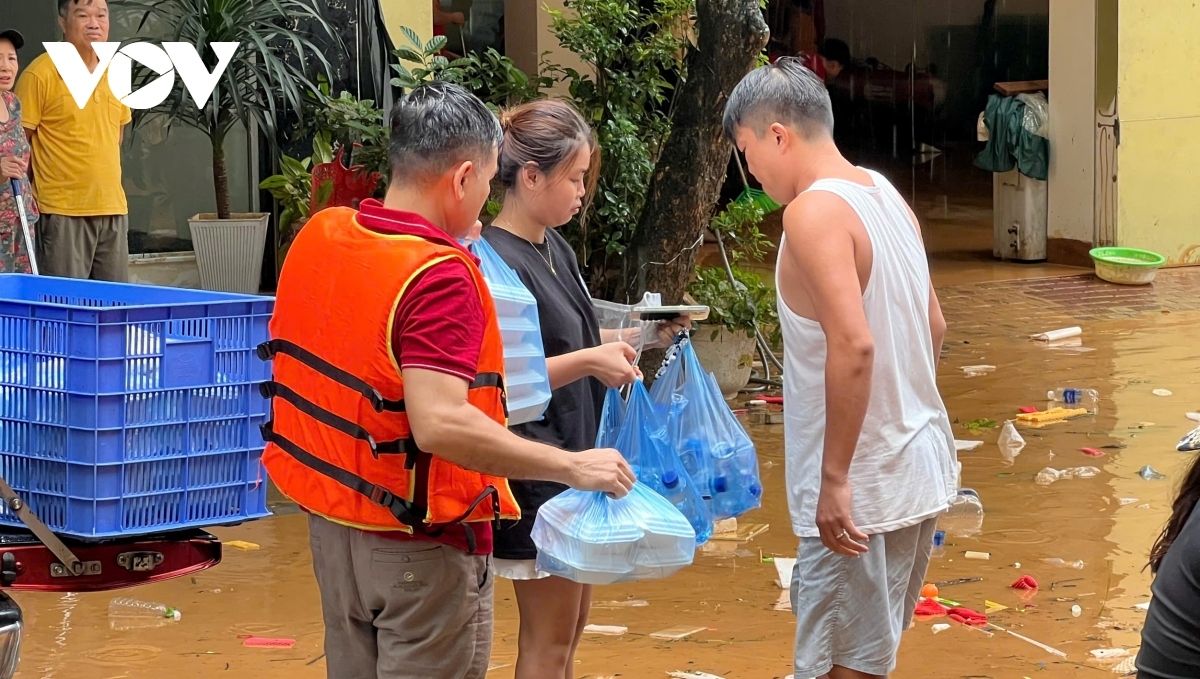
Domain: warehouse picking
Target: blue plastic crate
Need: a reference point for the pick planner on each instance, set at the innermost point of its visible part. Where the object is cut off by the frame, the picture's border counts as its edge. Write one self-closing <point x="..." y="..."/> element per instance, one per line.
<point x="129" y="409"/>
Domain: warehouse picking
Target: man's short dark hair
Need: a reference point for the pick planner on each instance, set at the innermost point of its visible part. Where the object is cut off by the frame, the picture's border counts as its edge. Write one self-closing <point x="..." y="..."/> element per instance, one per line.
<point x="783" y="92"/>
<point x="65" y="5"/>
<point x="835" y="50"/>
<point x="436" y="126"/>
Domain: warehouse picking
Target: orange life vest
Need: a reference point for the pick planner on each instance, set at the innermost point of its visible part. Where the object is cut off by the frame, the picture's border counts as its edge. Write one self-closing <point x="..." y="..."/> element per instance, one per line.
<point x="339" y="442"/>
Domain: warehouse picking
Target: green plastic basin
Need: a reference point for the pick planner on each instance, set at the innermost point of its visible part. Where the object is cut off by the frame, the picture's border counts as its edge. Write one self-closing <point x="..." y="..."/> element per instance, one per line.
<point x="1127" y="266"/>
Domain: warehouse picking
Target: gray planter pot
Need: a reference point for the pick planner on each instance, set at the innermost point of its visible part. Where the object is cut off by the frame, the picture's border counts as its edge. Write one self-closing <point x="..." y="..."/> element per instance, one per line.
<point x="229" y="252"/>
<point x="729" y="357"/>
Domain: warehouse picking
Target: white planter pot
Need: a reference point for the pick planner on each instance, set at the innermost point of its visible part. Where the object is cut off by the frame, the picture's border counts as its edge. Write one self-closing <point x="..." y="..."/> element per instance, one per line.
<point x="729" y="357"/>
<point x="229" y="252"/>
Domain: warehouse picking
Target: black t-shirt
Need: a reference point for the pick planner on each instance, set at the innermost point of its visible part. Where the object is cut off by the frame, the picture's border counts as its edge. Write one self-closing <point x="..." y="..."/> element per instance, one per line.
<point x="1171" y="638"/>
<point x="568" y="324"/>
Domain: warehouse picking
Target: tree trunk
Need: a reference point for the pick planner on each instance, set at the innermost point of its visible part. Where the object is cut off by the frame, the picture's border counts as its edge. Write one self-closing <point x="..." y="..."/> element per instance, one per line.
<point x="220" y="178"/>
<point x="687" y="179"/>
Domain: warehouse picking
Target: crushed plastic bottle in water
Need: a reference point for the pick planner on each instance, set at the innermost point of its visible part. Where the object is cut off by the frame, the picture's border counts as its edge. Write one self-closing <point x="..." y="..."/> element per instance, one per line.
<point x="964" y="518"/>
<point x="1077" y="565"/>
<point x="1049" y="475"/>
<point x="125" y="614"/>
<point x="1150" y="474"/>
<point x="1083" y="398"/>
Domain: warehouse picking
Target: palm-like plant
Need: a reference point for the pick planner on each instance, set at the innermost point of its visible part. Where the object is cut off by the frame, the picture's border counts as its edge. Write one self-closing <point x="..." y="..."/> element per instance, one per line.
<point x="268" y="76"/>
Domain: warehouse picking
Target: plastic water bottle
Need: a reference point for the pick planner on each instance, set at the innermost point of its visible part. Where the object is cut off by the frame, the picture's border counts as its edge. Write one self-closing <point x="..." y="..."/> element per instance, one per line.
<point x="1086" y="398"/>
<point x="691" y="454"/>
<point x="125" y="613"/>
<point x="734" y="493"/>
<point x="673" y="488"/>
<point x="939" y="544"/>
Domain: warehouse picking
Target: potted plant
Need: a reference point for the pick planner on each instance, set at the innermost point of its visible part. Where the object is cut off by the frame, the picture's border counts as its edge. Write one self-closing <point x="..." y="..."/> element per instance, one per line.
<point x="266" y="77"/>
<point x="725" y="342"/>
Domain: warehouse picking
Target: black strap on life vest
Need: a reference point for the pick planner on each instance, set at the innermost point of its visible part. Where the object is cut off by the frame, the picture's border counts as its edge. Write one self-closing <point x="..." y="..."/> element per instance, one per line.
<point x="407" y="513"/>
<point x="485" y="380"/>
<point x="267" y="350"/>
<point x="405" y="446"/>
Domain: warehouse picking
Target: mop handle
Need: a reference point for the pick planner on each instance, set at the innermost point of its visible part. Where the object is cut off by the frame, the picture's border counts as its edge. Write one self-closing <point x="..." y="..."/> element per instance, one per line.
<point x="20" y="200"/>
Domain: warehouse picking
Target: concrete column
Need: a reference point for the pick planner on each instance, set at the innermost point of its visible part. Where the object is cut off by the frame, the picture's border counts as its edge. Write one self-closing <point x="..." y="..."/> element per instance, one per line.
<point x="1072" y="178"/>
<point x="528" y="38"/>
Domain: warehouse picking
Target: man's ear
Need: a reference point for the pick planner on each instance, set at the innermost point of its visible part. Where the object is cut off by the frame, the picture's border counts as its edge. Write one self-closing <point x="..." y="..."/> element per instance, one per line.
<point x="461" y="174"/>
<point x="780" y="135"/>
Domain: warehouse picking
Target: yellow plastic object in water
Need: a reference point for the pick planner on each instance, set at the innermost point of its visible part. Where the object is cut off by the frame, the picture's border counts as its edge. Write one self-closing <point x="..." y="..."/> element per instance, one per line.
<point x="1052" y="415"/>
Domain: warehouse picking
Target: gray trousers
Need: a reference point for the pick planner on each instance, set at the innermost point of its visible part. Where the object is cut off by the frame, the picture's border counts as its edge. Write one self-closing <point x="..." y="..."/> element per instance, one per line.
<point x="84" y="247"/>
<point x="400" y="609"/>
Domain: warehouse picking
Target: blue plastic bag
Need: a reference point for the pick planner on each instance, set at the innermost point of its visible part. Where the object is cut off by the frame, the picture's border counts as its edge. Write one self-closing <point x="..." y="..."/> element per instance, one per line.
<point x="643" y="440"/>
<point x="526" y="379"/>
<point x="612" y="416"/>
<point x="593" y="539"/>
<point x="713" y="446"/>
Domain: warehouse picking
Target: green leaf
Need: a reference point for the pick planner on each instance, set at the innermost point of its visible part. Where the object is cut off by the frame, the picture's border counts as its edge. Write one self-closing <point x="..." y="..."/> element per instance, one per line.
<point x="411" y="35"/>
<point x="407" y="54"/>
<point x="437" y="44"/>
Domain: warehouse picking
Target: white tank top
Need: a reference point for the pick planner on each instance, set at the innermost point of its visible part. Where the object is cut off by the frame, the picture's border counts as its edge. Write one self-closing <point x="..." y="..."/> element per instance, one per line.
<point x="905" y="468"/>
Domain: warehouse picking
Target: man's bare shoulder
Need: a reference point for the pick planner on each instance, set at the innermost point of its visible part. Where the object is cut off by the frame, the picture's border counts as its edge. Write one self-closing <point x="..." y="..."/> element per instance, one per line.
<point x="815" y="212"/>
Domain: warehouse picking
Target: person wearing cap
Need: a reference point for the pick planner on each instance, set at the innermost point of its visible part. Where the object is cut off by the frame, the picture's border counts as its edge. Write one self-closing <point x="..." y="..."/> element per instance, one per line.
<point x="76" y="163"/>
<point x="14" y="162"/>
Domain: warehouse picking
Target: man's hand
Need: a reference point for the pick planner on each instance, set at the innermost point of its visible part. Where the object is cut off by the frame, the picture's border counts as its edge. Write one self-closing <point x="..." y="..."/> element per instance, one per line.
<point x="838" y="532"/>
<point x="602" y="470"/>
<point x="12" y="167"/>
<point x="612" y="364"/>
<point x="667" y="330"/>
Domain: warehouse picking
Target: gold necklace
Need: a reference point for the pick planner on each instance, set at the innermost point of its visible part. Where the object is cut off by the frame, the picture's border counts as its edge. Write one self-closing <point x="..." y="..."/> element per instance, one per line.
<point x="549" y="251"/>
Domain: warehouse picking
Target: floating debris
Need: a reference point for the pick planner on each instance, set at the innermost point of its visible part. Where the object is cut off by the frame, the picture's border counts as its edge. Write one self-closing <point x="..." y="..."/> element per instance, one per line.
<point x="1150" y="474"/>
<point x="1161" y="392"/>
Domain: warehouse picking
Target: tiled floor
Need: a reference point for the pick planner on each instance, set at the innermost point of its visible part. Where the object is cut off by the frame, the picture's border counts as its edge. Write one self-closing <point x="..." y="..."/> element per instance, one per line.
<point x="1049" y="303"/>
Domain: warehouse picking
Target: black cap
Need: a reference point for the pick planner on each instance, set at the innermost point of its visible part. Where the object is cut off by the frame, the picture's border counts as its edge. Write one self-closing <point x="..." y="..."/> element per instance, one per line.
<point x="14" y="37"/>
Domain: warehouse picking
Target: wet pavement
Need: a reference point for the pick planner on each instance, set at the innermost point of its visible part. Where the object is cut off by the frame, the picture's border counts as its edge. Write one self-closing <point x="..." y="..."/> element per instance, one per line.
<point x="1135" y="340"/>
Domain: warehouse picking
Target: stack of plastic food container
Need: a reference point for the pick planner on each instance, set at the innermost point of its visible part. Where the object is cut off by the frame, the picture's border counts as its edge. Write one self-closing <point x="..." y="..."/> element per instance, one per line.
<point x="593" y="539"/>
<point x="526" y="381"/>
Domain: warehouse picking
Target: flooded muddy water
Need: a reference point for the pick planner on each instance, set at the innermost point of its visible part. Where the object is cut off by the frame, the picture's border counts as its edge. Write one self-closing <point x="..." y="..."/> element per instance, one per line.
<point x="1108" y="522"/>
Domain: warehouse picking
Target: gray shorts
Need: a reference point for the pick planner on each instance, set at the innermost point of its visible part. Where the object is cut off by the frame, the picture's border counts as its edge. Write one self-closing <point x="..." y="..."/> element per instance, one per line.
<point x="851" y="611"/>
<point x="84" y="247"/>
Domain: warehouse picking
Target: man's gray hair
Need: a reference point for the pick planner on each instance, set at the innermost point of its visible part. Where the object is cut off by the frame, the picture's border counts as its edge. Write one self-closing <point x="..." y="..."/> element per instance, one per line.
<point x="436" y="126"/>
<point x="784" y="92"/>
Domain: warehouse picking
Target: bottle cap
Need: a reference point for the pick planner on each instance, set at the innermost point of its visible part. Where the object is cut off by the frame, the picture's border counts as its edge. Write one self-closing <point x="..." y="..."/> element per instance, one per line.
<point x="720" y="485"/>
<point x="939" y="538"/>
<point x="1050" y="395"/>
<point x="670" y="479"/>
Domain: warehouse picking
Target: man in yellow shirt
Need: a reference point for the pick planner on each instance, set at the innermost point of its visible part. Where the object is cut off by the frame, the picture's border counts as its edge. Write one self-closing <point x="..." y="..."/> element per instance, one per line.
<point x="76" y="163"/>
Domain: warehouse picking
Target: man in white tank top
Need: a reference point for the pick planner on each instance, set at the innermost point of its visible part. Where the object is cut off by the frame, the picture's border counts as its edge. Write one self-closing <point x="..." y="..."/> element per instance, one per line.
<point x="869" y="449"/>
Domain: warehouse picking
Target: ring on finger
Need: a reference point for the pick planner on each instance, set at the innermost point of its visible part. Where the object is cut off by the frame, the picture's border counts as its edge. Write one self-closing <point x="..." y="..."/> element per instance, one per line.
<point x="841" y="535"/>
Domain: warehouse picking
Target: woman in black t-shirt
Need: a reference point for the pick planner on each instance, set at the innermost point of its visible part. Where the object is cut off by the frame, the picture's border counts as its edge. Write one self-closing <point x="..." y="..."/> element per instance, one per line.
<point x="1171" y="638"/>
<point x="548" y="164"/>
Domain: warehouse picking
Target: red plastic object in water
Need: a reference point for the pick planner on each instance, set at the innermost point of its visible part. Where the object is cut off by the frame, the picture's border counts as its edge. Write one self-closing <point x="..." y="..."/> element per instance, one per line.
<point x="1027" y="409"/>
<point x="1025" y="582"/>
<point x="929" y="607"/>
<point x="265" y="642"/>
<point x="968" y="617"/>
<point x="1092" y="452"/>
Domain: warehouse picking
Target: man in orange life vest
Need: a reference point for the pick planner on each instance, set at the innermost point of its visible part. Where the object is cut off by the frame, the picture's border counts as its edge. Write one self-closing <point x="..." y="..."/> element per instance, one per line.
<point x="388" y="421"/>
